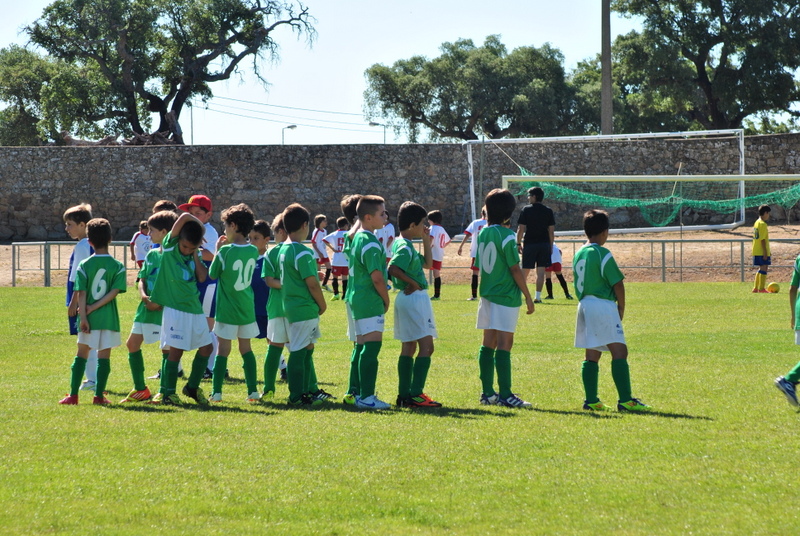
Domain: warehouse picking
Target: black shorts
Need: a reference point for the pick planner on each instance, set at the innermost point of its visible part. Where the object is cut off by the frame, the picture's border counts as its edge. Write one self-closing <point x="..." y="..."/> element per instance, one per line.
<point x="537" y="254"/>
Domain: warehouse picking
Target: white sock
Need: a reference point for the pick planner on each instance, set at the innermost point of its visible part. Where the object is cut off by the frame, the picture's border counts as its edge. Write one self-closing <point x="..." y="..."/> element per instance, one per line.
<point x="538" y="295"/>
<point x="215" y="347"/>
<point x="91" y="366"/>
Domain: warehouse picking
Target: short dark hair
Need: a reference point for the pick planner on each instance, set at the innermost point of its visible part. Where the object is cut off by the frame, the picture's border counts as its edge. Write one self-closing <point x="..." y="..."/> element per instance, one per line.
<point x="143" y="225"/>
<point x="537" y="193"/>
<point x="79" y="213"/>
<point x="241" y="216"/>
<point x="435" y="216"/>
<point x="262" y="228"/>
<point x="294" y="216"/>
<point x="595" y="221"/>
<point x="277" y="224"/>
<point x="409" y="213"/>
<point x="162" y="221"/>
<point x="192" y="231"/>
<point x="348" y="205"/>
<point x="98" y="231"/>
<point x="341" y="222"/>
<point x="368" y="204"/>
<point x="164" y="204"/>
<point x="762" y="209"/>
<point x="500" y="205"/>
<point x="319" y="218"/>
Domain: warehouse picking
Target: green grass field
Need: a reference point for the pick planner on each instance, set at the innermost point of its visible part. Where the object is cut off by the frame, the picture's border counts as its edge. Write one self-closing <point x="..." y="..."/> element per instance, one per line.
<point x="717" y="457"/>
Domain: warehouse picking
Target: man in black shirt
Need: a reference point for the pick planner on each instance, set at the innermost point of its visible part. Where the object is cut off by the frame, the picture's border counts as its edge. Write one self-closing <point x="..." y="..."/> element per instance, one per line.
<point x="535" y="235"/>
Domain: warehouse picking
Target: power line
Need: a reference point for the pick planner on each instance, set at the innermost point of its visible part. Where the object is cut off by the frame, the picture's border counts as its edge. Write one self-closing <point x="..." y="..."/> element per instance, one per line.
<point x="288" y="107"/>
<point x="289" y="116"/>
<point x="298" y="124"/>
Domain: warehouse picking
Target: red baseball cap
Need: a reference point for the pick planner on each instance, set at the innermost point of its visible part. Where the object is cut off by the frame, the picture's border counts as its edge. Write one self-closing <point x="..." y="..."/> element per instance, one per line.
<point x="197" y="201"/>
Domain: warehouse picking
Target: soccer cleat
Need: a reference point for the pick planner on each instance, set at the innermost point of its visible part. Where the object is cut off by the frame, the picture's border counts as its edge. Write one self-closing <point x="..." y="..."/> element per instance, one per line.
<point x="548" y="298"/>
<point x="402" y="401"/>
<point x="87" y="385"/>
<point x="166" y="400"/>
<point x="137" y="396"/>
<point x="284" y="375"/>
<point x="491" y="400"/>
<point x="633" y="405"/>
<point x="371" y="402"/>
<point x="596" y="406"/>
<point x="335" y="297"/>
<point x="537" y="301"/>
<point x="208" y="374"/>
<point x="323" y="395"/>
<point x="755" y="291"/>
<point x="156" y="376"/>
<point x="513" y="401"/>
<point x="69" y="400"/>
<point x="101" y="401"/>
<point x="763" y="291"/>
<point x="326" y="288"/>
<point x="306" y="400"/>
<point x="349" y="399"/>
<point x="268" y="395"/>
<point x="180" y="373"/>
<point x="569" y="297"/>
<point x="215" y="398"/>
<point x="254" y="397"/>
<point x="422" y="401"/>
<point x="786" y="387"/>
<point x="472" y="298"/>
<point x="195" y="394"/>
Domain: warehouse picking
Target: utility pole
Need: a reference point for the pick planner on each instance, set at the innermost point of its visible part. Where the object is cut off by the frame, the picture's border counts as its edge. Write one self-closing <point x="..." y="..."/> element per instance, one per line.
<point x="606" y="110"/>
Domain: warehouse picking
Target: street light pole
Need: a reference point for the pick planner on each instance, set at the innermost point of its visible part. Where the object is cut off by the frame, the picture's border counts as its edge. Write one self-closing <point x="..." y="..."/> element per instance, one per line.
<point x="374" y="124"/>
<point x="283" y="130"/>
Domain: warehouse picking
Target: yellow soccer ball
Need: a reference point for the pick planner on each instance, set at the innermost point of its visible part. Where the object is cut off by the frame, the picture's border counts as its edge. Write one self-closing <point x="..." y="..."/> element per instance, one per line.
<point x="773" y="287"/>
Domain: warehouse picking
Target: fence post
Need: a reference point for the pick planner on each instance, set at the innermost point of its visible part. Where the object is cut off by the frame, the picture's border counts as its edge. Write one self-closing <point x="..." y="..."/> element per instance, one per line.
<point x="741" y="260"/>
<point x="13" y="265"/>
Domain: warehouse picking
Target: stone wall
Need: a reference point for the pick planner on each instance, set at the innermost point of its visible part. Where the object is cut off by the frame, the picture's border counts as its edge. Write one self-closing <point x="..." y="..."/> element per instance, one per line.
<point x="122" y="183"/>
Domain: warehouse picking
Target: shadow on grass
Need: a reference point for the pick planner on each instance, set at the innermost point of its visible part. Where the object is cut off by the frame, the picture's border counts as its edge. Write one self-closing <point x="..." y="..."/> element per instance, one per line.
<point x="672" y="415"/>
<point x="160" y="408"/>
<point x="582" y="413"/>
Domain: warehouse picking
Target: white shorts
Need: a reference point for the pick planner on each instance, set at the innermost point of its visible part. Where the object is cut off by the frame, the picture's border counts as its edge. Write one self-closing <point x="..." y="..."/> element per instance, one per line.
<point x="150" y="332"/>
<point x="303" y="333"/>
<point x="185" y="331"/>
<point x="351" y="323"/>
<point x="278" y="330"/>
<point x="413" y="317"/>
<point x="797" y="336"/>
<point x="368" y="325"/>
<point x="597" y="324"/>
<point x="100" y="339"/>
<point x="233" y="332"/>
<point x="496" y="316"/>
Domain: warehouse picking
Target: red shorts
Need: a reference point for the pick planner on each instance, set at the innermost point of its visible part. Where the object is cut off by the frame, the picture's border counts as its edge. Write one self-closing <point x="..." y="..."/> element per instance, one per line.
<point x="473" y="267"/>
<point x="553" y="267"/>
<point x="437" y="265"/>
<point x="320" y="262"/>
<point x="339" y="271"/>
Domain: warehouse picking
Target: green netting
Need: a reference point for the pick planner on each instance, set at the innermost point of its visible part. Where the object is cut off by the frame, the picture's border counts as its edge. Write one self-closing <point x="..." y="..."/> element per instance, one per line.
<point x="660" y="202"/>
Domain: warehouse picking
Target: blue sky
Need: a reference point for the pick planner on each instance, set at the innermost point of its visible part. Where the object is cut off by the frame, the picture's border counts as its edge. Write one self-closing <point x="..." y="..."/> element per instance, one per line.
<point x="352" y="35"/>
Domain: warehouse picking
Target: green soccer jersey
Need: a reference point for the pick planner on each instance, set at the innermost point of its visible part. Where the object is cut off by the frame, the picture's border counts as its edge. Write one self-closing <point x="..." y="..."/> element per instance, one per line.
<point x="271" y="268"/>
<point x="296" y="264"/>
<point x="408" y="259"/>
<point x="148" y="274"/>
<point x="495" y="255"/>
<point x="596" y="272"/>
<point x="97" y="276"/>
<point x="366" y="256"/>
<point x="233" y="268"/>
<point x="346" y="247"/>
<point x="176" y="282"/>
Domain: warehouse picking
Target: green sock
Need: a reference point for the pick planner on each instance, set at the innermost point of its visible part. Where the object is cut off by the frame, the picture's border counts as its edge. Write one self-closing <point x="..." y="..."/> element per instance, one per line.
<point x="368" y="368"/>
<point x="162" y="383"/>
<point x="295" y="371"/>
<point x="310" y="373"/>
<point x="199" y="366"/>
<point x="271" y="364"/>
<point x="103" y="370"/>
<point x="355" y="387"/>
<point x="794" y="374"/>
<point x="169" y="380"/>
<point x="136" y="361"/>
<point x="218" y="376"/>
<point x="405" y="371"/>
<point x="502" y="361"/>
<point x="486" y="364"/>
<point x="422" y="365"/>
<point x="76" y="377"/>
<point x="622" y="379"/>
<point x="250" y="374"/>
<point x="590" y="372"/>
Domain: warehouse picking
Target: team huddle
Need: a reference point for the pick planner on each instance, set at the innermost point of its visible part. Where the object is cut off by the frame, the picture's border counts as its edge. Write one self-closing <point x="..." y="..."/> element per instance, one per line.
<point x="200" y="292"/>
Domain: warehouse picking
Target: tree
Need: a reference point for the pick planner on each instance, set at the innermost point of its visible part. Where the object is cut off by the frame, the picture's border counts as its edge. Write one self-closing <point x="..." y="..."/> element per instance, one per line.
<point x="743" y="54"/>
<point x="469" y="91"/>
<point x="155" y="55"/>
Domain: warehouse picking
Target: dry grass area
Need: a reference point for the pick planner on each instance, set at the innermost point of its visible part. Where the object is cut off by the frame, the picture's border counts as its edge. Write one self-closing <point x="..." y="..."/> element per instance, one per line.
<point x="641" y="260"/>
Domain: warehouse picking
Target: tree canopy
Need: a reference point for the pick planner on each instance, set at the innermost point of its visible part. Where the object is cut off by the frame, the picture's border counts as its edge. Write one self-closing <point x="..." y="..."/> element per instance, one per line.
<point x="468" y="91"/>
<point x="142" y="56"/>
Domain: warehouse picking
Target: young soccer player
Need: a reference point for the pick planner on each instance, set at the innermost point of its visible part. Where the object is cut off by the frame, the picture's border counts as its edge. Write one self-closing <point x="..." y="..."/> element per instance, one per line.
<point x="184" y="327"/>
<point x="386" y="237"/>
<point x="788" y="384"/>
<point x="260" y="237"/>
<point x="369" y="296"/>
<point x="598" y="327"/>
<point x="413" y="315"/>
<point x="303" y="304"/>
<point x="472" y="230"/>
<point x="318" y="247"/>
<point x="233" y="268"/>
<point x="335" y="241"/>
<point x="277" y="328"/>
<point x="439" y="240"/>
<point x="147" y="321"/>
<point x="75" y="220"/>
<point x="140" y="244"/>
<point x="349" y="207"/>
<point x="100" y="278"/>
<point x="501" y="287"/>
<point x="761" y="251"/>
<point x="555" y="268"/>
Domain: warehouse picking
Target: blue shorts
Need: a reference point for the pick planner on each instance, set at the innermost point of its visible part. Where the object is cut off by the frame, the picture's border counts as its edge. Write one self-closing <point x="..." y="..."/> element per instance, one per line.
<point x="262" y="322"/>
<point x="758" y="260"/>
<point x="73" y="324"/>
